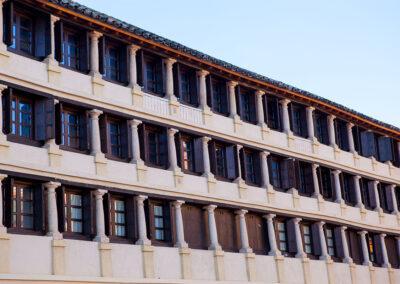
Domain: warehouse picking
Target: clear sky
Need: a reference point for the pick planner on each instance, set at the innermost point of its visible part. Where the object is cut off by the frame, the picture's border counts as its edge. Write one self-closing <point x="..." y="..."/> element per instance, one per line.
<point x="344" y="50"/>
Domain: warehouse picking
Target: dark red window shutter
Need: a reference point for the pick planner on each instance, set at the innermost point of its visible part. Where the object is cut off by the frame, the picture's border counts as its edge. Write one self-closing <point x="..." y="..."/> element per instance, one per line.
<point x="59" y="40"/>
<point x="58" y="122"/>
<point x="88" y="213"/>
<point x="388" y="195"/>
<point x="102" y="54"/>
<point x="141" y="68"/>
<point x="8" y="12"/>
<point x="316" y="244"/>
<point x="60" y="193"/>
<point x="84" y="49"/>
<point x="131" y="218"/>
<point x="124" y="64"/>
<point x="238" y="96"/>
<point x="211" y="151"/>
<point x="40" y="119"/>
<point x="209" y="88"/>
<point x="231" y="161"/>
<point x="49" y="119"/>
<point x="103" y="133"/>
<point x="198" y="155"/>
<point x="337" y="234"/>
<point x="6" y="100"/>
<point x="39" y="208"/>
<point x="125" y="140"/>
<point x="84" y="141"/>
<point x="371" y="193"/>
<point x="7" y="186"/>
<point x="176" y="70"/>
<point x="107" y="205"/>
<point x="42" y="35"/>
<point x="291" y="236"/>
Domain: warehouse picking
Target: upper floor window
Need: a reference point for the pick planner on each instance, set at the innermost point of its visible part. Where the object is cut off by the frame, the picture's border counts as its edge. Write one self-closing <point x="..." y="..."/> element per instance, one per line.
<point x="246" y="104"/>
<point x="273" y="112"/>
<point x="321" y="127"/>
<point x="385" y="198"/>
<point x="397" y="193"/>
<point x="282" y="237"/>
<point x="342" y="138"/>
<point x="250" y="165"/>
<point x="217" y="95"/>
<point x="27" y="118"/>
<point x="26" y="32"/>
<point x="160" y="221"/>
<point x="367" y="193"/>
<point x="118" y="217"/>
<point x="347" y="187"/>
<point x="307" y="238"/>
<point x="154" y="146"/>
<point x="71" y="127"/>
<point x="113" y="60"/>
<point x="76" y="211"/>
<point x="304" y="177"/>
<point x="371" y="247"/>
<point x="330" y="241"/>
<point x="22" y="206"/>
<point x="151" y="72"/>
<point x="185" y="84"/>
<point x="325" y="182"/>
<point x="223" y="160"/>
<point x="298" y="119"/>
<point x="282" y="172"/>
<point x="114" y="137"/>
<point x="190" y="154"/>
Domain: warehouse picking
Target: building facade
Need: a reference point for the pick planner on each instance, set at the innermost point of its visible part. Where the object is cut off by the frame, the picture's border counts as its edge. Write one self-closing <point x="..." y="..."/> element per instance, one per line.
<point x="129" y="158"/>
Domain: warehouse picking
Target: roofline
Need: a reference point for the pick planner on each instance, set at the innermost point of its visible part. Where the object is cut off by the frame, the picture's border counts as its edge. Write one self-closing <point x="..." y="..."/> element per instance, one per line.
<point x="144" y="37"/>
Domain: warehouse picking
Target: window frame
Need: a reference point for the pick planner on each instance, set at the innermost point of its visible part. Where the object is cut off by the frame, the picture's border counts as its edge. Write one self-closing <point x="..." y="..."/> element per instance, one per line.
<point x="309" y="244"/>
<point x="167" y="217"/>
<point x="161" y="142"/>
<point x="279" y="241"/>
<point x="67" y="208"/>
<point x="112" y="223"/>
<point x="19" y="12"/>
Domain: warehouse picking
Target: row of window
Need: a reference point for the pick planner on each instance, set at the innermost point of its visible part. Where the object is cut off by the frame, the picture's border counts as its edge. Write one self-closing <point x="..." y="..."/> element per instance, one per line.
<point x="32" y="119"/>
<point x="27" y="32"/>
<point x="25" y="212"/>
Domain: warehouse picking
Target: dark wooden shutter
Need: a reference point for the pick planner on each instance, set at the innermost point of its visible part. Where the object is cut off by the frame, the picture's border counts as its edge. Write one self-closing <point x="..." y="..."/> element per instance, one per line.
<point x="209" y="88"/>
<point x="160" y="70"/>
<point x="213" y="160"/>
<point x="368" y="143"/>
<point x="242" y="157"/>
<point x="130" y="218"/>
<point x="389" y="198"/>
<point x="164" y="148"/>
<point x="198" y="155"/>
<point x="60" y="193"/>
<point x="392" y="251"/>
<point x="288" y="173"/>
<point x="102" y="55"/>
<point x="40" y="119"/>
<point x="42" y="35"/>
<point x="141" y="68"/>
<point x="257" y="167"/>
<point x="88" y="216"/>
<point x="58" y="123"/>
<point x="107" y="205"/>
<point x="291" y="236"/>
<point x="194" y="226"/>
<point x="49" y="119"/>
<point x="8" y="14"/>
<point x="7" y="186"/>
<point x="143" y="142"/>
<point x="309" y="179"/>
<point x="169" y="222"/>
<point x="226" y="229"/>
<point x="125" y="140"/>
<point x="372" y="197"/>
<point x="194" y="99"/>
<point x="84" y="51"/>
<point x="6" y="100"/>
<point x="316" y="243"/>
<point x="59" y="40"/>
<point x="256" y="229"/>
<point x="354" y="242"/>
<point x="231" y="161"/>
<point x="377" y="248"/>
<point x="176" y="73"/>
<point x="297" y="175"/>
<point x="337" y="234"/>
<point x="103" y="133"/>
<point x="124" y="64"/>
<point x="385" y="149"/>
<point x="39" y="208"/>
<point x="239" y="106"/>
<point x="84" y="141"/>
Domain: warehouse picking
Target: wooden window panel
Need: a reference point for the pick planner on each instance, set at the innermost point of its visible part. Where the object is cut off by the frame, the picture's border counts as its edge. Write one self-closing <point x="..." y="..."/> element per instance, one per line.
<point x="326" y="183"/>
<point x="257" y="232"/>
<point x="194" y="224"/>
<point x="391" y="248"/>
<point x="321" y="127"/>
<point x="281" y="231"/>
<point x="304" y="180"/>
<point x="298" y="119"/>
<point x="342" y="138"/>
<point x="161" y="217"/>
<point x="152" y="74"/>
<point x="273" y="113"/>
<point x="227" y="229"/>
<point x="330" y="241"/>
<point x="306" y="231"/>
<point x="250" y="165"/>
<point x="354" y="243"/>
<point x="217" y="95"/>
<point x="155" y="146"/>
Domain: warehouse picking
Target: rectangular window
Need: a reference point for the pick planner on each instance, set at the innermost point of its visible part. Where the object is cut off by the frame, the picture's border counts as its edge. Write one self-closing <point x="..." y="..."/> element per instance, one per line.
<point x="347" y="187"/>
<point x="22" y="206"/>
<point x="325" y="182"/>
<point x="22" y="115"/>
<point x="250" y="160"/>
<point x="275" y="169"/>
<point x="321" y="127"/>
<point x="366" y="193"/>
<point x="307" y="238"/>
<point x="160" y="222"/>
<point x="282" y="239"/>
<point x="273" y="112"/>
<point x="70" y="129"/>
<point x="152" y="73"/>
<point x="298" y="119"/>
<point x="247" y="104"/>
<point x="371" y="248"/>
<point x="155" y="146"/>
<point x="113" y="60"/>
<point x="342" y="138"/>
<point x="22" y="33"/>
<point x="71" y="49"/>
<point x="220" y="161"/>
<point x="186" y="84"/>
<point x="305" y="184"/>
<point x="118" y="217"/>
<point x="73" y="212"/>
<point x="114" y="137"/>
<point x="384" y="195"/>
<point x="330" y="241"/>
<point x="188" y="154"/>
<point x="223" y="160"/>
<point x="217" y="95"/>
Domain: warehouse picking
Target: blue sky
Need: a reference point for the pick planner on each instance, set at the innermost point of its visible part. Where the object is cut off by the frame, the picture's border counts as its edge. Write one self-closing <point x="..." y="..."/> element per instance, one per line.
<point x="346" y="51"/>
